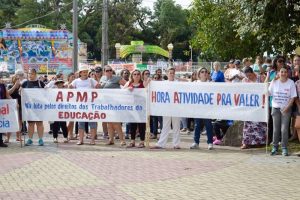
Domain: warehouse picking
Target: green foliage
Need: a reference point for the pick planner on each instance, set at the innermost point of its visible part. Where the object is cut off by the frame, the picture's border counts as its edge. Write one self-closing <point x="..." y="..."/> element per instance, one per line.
<point x="275" y="23"/>
<point x="170" y="23"/>
<point x="215" y="31"/>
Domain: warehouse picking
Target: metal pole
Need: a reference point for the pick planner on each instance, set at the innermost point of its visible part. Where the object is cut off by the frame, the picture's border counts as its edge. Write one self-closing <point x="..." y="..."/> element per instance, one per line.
<point x="75" y="36"/>
<point x="104" y="47"/>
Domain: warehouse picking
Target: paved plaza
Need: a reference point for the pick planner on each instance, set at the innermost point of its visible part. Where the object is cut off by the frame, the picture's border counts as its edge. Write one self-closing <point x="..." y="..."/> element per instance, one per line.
<point x="69" y="171"/>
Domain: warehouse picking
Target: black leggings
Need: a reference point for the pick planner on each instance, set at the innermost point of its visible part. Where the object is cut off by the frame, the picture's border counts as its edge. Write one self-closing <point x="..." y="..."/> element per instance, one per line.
<point x="1" y="140"/>
<point x="57" y="125"/>
<point x="133" y="128"/>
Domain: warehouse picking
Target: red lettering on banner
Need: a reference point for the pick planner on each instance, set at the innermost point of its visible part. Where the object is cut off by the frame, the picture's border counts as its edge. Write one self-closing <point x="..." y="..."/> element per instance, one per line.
<point x="176" y="98"/>
<point x="153" y="96"/>
<point x="70" y="96"/>
<point x="218" y="98"/>
<point x="4" y="110"/>
<point x="236" y="99"/>
<point x="94" y="96"/>
<point x="81" y="97"/>
<point x="59" y="97"/>
<point x="79" y="115"/>
<point x="60" y="115"/>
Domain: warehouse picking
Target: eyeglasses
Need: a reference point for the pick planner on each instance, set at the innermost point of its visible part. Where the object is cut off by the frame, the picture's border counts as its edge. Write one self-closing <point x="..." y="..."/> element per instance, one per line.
<point x="203" y="72"/>
<point x="136" y="74"/>
<point x="280" y="61"/>
<point x="108" y="70"/>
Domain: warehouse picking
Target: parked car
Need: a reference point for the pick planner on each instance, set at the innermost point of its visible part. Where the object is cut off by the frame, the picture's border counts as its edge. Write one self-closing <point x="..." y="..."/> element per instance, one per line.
<point x="4" y="74"/>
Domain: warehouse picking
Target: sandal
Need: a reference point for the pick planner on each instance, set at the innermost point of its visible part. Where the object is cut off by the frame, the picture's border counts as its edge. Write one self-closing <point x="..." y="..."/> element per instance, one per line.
<point x="244" y="146"/>
<point x="79" y="143"/>
<point x="110" y="143"/>
<point x="131" y="145"/>
<point x="92" y="143"/>
<point x="153" y="137"/>
<point x="6" y="141"/>
<point x="141" y="145"/>
<point x="123" y="144"/>
<point x="19" y="140"/>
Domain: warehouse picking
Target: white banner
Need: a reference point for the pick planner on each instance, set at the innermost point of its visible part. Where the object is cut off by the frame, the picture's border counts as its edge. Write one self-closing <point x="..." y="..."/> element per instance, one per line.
<point x="106" y="105"/>
<point x="9" y="119"/>
<point x="232" y="101"/>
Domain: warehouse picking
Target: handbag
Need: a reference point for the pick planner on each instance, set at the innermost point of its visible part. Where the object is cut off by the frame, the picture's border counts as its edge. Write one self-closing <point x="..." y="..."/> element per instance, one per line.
<point x="297" y="122"/>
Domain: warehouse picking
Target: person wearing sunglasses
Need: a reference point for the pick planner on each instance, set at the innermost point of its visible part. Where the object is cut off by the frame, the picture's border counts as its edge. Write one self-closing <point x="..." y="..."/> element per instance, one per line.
<point x="110" y="81"/>
<point x="135" y="81"/>
<point x="203" y="77"/>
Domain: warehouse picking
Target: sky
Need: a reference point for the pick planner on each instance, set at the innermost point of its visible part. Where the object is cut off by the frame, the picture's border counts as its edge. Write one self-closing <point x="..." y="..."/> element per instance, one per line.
<point x="183" y="3"/>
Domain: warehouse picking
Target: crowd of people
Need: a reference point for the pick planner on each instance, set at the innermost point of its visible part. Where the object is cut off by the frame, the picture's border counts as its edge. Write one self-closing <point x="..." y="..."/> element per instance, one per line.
<point x="281" y="74"/>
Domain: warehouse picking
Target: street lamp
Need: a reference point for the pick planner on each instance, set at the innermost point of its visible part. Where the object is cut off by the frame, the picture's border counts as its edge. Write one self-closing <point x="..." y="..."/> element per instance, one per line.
<point x="170" y="48"/>
<point x="191" y="53"/>
<point x="118" y="47"/>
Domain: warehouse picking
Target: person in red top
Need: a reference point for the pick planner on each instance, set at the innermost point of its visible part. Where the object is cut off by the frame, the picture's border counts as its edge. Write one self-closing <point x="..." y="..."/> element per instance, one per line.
<point x="135" y="81"/>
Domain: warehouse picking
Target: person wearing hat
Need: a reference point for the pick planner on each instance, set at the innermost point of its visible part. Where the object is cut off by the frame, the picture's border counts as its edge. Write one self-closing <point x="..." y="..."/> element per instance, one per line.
<point x="57" y="125"/>
<point x="84" y="82"/>
<point x="234" y="73"/>
<point x="98" y="74"/>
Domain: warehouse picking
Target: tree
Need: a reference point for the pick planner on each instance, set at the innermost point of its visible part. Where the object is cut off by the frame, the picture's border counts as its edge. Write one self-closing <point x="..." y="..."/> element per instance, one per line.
<point x="171" y="25"/>
<point x="215" y="31"/>
<point x="275" y="23"/>
<point x="8" y="10"/>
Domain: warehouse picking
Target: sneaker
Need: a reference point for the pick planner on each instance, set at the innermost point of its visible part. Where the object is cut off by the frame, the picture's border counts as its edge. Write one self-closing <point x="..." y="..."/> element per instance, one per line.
<point x="217" y="142"/>
<point x="194" y="146"/>
<point x="183" y="130"/>
<point x="274" y="151"/>
<point x="55" y="140"/>
<point x="210" y="146"/>
<point x="41" y="142"/>
<point x="66" y="140"/>
<point x="50" y="132"/>
<point x="29" y="142"/>
<point x="126" y="137"/>
<point x="285" y="152"/>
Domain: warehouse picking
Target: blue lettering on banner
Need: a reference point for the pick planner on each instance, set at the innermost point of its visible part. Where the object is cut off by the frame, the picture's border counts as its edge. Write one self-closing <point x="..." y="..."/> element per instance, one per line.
<point x="4" y="123"/>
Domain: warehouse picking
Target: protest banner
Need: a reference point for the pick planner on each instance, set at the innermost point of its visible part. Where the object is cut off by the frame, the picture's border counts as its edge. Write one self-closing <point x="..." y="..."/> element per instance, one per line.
<point x="9" y="118"/>
<point x="232" y="101"/>
<point x="106" y="105"/>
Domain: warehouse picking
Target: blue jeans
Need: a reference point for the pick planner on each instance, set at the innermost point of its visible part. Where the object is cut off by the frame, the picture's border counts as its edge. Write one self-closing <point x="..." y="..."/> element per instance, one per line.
<point x="208" y="127"/>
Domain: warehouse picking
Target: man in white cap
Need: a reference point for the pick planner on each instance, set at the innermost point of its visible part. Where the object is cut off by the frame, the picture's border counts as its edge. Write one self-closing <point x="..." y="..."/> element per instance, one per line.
<point x="84" y="82"/>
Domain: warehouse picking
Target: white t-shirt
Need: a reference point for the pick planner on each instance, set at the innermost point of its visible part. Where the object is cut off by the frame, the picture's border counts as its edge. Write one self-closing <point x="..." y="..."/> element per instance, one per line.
<point x="87" y="83"/>
<point x="282" y="92"/>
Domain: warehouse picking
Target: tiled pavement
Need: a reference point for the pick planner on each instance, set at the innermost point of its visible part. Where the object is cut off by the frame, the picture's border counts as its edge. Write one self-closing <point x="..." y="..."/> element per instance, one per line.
<point x="68" y="171"/>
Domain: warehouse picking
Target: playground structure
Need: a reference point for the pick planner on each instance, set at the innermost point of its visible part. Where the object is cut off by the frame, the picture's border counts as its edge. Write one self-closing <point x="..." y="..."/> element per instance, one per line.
<point x="137" y="48"/>
<point x="36" y="46"/>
